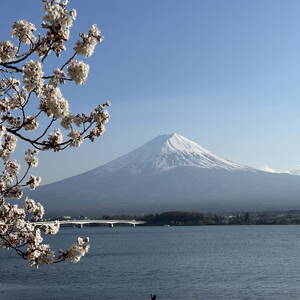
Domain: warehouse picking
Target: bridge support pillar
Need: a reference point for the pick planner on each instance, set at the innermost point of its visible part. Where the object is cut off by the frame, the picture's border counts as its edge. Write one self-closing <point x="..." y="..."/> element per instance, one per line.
<point x="133" y="224"/>
<point x="80" y="225"/>
<point x="111" y="225"/>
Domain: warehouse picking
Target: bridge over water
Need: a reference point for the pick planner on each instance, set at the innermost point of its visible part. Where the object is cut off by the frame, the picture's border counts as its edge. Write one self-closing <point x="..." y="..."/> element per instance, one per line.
<point x="81" y="223"/>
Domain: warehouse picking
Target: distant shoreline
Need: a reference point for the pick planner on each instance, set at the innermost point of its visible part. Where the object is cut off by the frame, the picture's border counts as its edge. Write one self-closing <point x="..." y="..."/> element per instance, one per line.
<point x="185" y="218"/>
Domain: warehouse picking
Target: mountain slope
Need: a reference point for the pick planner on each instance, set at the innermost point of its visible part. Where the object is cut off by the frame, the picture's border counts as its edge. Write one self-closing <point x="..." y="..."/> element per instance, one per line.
<point x="166" y="152"/>
<point x="170" y="172"/>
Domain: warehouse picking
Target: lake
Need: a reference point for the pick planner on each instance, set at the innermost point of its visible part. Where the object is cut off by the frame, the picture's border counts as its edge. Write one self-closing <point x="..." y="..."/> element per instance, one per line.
<point x="205" y="262"/>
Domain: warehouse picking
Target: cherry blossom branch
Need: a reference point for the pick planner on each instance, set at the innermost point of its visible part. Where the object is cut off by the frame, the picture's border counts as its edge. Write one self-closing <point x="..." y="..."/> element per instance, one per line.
<point x="22" y="78"/>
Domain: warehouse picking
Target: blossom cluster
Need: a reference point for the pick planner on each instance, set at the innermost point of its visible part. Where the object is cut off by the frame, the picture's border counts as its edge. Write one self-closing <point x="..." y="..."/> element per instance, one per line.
<point x="23" y="31"/>
<point x="33" y="76"/>
<point x="53" y="103"/>
<point x="79" y="249"/>
<point x="58" y="20"/>
<point x="7" y="51"/>
<point x="78" y="71"/>
<point x="88" y="42"/>
<point x="31" y="159"/>
<point x="51" y="228"/>
<point x="8" y="144"/>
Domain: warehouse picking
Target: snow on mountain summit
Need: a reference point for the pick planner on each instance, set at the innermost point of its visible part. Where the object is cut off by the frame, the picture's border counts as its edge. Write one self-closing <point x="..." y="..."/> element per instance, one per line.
<point x="167" y="152"/>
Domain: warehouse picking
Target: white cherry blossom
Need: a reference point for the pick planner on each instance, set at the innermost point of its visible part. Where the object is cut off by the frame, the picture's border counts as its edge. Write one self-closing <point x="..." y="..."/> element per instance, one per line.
<point x="7" y="51"/>
<point x="23" y="30"/>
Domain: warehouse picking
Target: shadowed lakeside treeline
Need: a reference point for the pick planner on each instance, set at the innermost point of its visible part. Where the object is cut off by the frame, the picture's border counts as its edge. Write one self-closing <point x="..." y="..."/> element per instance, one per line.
<point x="177" y="218"/>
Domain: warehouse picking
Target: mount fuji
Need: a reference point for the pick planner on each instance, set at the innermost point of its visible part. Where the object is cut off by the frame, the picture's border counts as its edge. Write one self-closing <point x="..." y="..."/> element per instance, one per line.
<point x="170" y="172"/>
<point x="167" y="152"/>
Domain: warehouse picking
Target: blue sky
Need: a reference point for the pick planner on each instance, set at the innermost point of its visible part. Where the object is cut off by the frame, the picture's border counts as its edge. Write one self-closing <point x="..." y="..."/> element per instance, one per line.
<point x="225" y="74"/>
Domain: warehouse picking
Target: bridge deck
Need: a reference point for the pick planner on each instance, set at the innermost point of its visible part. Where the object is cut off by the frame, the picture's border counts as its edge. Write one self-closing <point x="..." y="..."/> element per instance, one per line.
<point x="83" y="222"/>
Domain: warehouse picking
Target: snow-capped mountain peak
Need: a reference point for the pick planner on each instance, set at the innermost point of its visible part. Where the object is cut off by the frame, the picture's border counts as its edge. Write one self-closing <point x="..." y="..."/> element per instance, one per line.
<point x="167" y="152"/>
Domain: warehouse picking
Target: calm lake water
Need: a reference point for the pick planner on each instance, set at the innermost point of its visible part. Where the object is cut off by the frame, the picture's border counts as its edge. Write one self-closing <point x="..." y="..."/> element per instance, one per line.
<point x="208" y="262"/>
